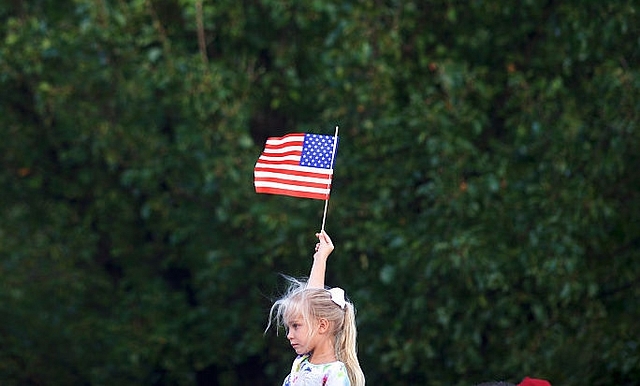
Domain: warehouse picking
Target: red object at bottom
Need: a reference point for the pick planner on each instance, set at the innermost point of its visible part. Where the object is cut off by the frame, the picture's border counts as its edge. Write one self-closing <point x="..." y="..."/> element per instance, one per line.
<point x="534" y="382"/>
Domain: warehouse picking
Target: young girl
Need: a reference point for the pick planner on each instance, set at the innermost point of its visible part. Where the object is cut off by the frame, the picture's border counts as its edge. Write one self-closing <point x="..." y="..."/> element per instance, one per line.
<point x="321" y="327"/>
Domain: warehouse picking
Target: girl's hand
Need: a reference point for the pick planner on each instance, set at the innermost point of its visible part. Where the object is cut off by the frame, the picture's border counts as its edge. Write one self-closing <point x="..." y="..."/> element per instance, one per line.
<point x="324" y="247"/>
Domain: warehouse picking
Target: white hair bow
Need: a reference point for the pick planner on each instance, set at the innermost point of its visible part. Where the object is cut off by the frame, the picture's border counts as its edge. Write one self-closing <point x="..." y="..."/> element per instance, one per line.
<point x="337" y="295"/>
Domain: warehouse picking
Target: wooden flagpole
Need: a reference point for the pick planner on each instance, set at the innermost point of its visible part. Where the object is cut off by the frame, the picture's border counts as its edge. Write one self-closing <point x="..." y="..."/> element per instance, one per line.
<point x="326" y="201"/>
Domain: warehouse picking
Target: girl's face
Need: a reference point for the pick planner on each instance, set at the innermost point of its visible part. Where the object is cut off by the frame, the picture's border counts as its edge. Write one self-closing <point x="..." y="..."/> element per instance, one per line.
<point x="299" y="335"/>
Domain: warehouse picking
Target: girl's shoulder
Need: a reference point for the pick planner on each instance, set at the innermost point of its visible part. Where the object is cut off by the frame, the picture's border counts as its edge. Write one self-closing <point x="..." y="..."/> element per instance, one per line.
<point x="304" y="359"/>
<point x="307" y="373"/>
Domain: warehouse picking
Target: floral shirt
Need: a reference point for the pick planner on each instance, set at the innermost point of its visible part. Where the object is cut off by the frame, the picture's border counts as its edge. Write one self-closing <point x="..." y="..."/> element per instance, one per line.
<point x="304" y="373"/>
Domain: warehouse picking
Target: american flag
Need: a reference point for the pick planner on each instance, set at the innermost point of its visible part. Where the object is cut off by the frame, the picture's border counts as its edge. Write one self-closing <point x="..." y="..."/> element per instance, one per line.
<point x="297" y="164"/>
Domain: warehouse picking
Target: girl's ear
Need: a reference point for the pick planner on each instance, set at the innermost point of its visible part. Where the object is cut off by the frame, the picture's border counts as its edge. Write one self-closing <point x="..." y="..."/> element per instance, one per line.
<point x="323" y="325"/>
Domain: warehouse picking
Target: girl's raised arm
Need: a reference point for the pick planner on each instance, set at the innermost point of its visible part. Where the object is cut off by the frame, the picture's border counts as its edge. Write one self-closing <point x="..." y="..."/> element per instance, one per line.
<point x="324" y="247"/>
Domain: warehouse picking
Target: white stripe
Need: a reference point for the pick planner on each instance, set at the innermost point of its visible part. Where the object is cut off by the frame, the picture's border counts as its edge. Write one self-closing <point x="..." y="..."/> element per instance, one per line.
<point x="292" y="178"/>
<point x="282" y="150"/>
<point x="280" y="158"/>
<point x="306" y="169"/>
<point x="264" y="184"/>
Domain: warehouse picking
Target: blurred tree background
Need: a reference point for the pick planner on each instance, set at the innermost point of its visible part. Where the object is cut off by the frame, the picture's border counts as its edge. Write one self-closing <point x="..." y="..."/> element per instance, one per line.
<point x="485" y="203"/>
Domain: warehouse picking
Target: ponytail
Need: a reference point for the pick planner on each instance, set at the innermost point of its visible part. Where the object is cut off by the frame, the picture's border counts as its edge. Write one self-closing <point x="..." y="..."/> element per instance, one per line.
<point x="346" y="349"/>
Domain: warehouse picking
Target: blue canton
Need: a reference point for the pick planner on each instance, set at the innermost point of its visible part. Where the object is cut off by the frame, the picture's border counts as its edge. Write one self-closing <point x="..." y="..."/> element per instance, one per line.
<point x="317" y="151"/>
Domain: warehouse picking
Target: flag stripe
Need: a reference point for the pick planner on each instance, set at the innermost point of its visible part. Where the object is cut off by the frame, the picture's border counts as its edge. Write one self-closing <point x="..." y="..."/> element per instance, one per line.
<point x="294" y="170"/>
<point x="281" y="147"/>
<point x="292" y="193"/>
<point x="290" y="159"/>
<point x="284" y="152"/>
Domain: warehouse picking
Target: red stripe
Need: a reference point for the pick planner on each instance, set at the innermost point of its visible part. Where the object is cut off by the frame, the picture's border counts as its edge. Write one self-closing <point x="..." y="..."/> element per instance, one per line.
<point x="296" y="153"/>
<point x="293" y="193"/>
<point x="290" y="135"/>
<point x="272" y="146"/>
<point x="283" y="162"/>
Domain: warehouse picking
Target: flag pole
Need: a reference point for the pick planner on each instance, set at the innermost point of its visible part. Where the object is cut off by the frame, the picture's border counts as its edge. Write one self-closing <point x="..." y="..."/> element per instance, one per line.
<point x="326" y="201"/>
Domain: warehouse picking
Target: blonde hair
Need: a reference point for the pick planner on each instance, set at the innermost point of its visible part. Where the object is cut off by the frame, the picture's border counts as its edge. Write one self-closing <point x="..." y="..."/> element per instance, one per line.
<point x="313" y="304"/>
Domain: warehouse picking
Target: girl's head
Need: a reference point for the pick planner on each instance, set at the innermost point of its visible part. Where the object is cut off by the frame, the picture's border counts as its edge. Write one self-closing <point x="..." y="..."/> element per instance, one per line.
<point x="310" y="316"/>
<point x="313" y="314"/>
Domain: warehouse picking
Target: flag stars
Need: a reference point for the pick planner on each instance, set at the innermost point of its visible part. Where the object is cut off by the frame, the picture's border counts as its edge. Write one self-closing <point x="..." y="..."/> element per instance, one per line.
<point x="317" y="151"/>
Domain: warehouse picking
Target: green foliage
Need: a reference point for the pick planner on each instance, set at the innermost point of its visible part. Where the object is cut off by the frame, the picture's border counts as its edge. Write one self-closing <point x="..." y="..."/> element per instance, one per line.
<point x="484" y="204"/>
